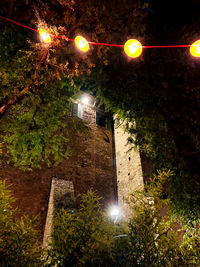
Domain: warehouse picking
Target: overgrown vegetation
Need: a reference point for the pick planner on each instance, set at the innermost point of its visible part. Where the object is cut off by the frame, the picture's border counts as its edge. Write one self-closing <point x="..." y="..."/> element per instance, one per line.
<point x="19" y="245"/>
<point x="88" y="237"/>
<point x="83" y="238"/>
<point x="37" y="126"/>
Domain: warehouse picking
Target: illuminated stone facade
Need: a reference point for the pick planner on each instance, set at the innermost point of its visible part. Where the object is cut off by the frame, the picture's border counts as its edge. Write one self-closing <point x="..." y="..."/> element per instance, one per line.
<point x="128" y="167"/>
<point x="89" y="166"/>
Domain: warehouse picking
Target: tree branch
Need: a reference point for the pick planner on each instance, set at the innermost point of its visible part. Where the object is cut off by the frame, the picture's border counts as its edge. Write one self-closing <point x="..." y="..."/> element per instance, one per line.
<point x="11" y="7"/>
<point x="10" y="102"/>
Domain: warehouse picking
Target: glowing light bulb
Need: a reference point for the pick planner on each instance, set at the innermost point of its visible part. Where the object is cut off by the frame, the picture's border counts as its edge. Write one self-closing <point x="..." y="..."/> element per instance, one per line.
<point x="195" y="49"/>
<point x="45" y="36"/>
<point x="114" y="211"/>
<point x="133" y="48"/>
<point x="85" y="100"/>
<point x="81" y="43"/>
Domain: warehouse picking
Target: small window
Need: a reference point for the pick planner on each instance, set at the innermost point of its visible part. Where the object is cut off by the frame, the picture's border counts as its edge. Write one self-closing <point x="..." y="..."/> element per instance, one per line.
<point x="100" y="119"/>
<point x="76" y="110"/>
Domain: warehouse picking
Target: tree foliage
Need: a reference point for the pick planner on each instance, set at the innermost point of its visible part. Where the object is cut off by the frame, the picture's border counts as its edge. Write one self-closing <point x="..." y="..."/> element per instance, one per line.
<point x="82" y="238"/>
<point x="87" y="237"/>
<point x="35" y="129"/>
<point x="19" y="245"/>
<point x="152" y="242"/>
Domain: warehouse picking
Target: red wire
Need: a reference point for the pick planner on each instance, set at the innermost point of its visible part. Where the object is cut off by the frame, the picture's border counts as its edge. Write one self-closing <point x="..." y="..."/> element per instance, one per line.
<point x="95" y="43"/>
<point x="19" y="24"/>
<point x="143" y="46"/>
<point x="164" y="46"/>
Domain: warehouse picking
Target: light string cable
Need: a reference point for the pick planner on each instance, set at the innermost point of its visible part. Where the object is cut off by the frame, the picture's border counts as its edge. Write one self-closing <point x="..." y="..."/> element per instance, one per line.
<point x="101" y="44"/>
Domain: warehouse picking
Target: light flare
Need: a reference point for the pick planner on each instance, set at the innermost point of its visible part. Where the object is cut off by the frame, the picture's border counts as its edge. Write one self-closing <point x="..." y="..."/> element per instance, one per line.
<point x="81" y="43"/>
<point x="85" y="100"/>
<point x="114" y="211"/>
<point x="46" y="38"/>
<point x="133" y="48"/>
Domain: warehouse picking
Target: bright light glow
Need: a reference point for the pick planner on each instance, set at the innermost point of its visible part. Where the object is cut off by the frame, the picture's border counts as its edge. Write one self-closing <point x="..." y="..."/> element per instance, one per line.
<point x="114" y="211"/>
<point x="81" y="43"/>
<point x="195" y="49"/>
<point x="85" y="100"/>
<point x="133" y="48"/>
<point x="45" y="36"/>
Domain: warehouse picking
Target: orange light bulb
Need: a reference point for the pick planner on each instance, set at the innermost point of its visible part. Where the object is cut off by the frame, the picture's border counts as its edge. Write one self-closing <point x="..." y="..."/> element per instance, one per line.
<point x="133" y="48"/>
<point x="81" y="43"/>
<point x="45" y="36"/>
<point x="195" y="49"/>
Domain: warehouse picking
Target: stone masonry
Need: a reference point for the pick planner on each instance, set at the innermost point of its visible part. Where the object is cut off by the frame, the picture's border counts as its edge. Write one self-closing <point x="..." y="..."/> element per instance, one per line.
<point x="128" y="168"/>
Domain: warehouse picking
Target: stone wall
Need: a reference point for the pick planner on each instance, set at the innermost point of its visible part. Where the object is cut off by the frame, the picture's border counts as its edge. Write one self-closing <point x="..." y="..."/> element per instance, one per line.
<point x="89" y="166"/>
<point x="61" y="196"/>
<point x="128" y="168"/>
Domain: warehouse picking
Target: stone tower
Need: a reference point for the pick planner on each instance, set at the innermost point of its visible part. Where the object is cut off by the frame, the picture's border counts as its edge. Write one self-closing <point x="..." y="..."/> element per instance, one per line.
<point x="128" y="167"/>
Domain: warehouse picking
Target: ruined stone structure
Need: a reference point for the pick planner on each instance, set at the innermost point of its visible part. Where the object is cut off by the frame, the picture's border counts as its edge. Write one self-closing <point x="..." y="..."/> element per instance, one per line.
<point x="61" y="196"/>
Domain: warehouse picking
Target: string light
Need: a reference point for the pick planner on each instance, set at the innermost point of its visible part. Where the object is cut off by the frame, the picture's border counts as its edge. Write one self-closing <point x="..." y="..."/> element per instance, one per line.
<point x="133" y="48"/>
<point x="81" y="43"/>
<point x="195" y="49"/>
<point x="45" y="36"/>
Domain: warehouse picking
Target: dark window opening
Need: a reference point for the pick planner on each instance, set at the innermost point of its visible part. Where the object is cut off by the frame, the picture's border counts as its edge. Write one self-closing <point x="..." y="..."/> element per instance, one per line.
<point x="103" y="120"/>
<point x="100" y="119"/>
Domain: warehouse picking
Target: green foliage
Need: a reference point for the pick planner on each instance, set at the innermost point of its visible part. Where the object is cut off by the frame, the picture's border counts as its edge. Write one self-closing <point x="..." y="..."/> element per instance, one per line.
<point x="163" y="185"/>
<point x="152" y="237"/>
<point x="159" y="190"/>
<point x="152" y="242"/>
<point x="19" y="244"/>
<point x="37" y="127"/>
<point x="157" y="186"/>
<point x="83" y="238"/>
<point x="190" y="246"/>
<point x="87" y="238"/>
<point x="39" y="131"/>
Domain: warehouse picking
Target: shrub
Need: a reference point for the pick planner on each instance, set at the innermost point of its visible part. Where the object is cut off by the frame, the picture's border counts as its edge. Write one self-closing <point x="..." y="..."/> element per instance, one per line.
<point x="83" y="238"/>
<point x="19" y="245"/>
<point x="152" y="241"/>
